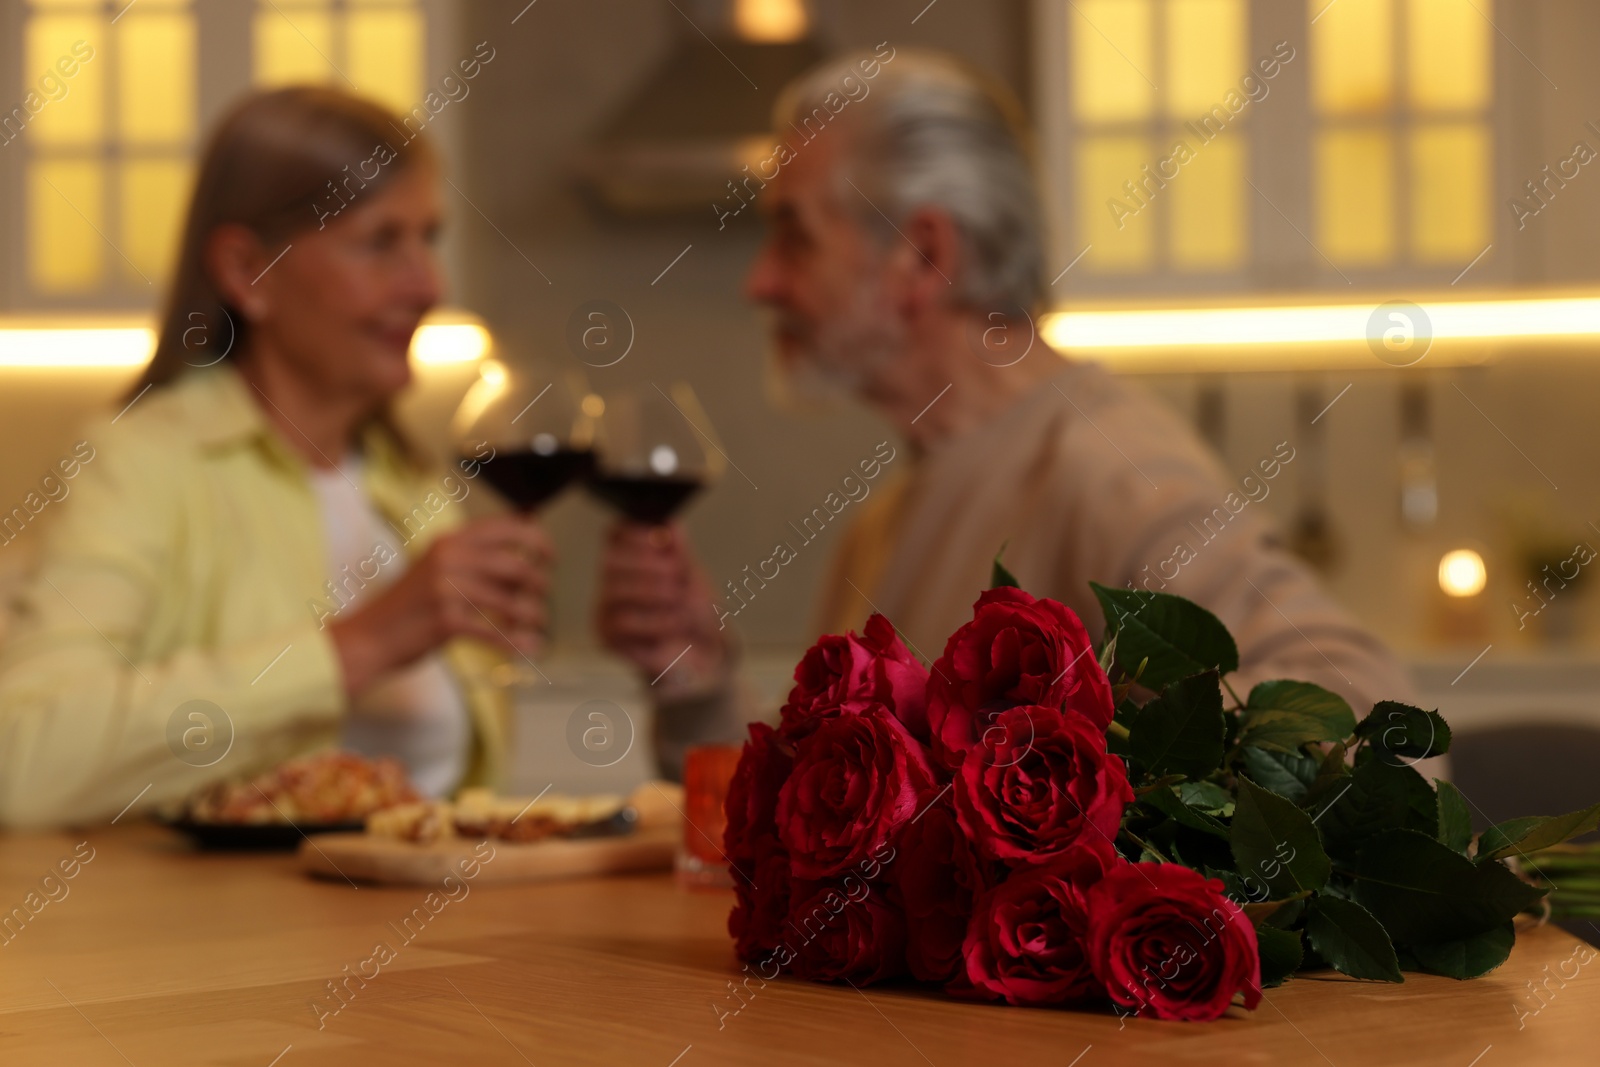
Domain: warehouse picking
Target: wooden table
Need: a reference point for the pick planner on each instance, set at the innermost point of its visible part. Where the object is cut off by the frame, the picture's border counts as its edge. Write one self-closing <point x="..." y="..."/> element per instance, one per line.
<point x="156" y="955"/>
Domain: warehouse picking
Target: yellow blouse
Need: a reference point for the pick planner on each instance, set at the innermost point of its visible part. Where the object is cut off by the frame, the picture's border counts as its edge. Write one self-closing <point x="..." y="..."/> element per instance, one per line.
<point x="175" y="631"/>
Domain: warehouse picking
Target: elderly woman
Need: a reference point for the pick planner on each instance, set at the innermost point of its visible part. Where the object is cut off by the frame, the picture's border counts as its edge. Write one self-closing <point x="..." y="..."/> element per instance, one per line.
<point x="183" y="599"/>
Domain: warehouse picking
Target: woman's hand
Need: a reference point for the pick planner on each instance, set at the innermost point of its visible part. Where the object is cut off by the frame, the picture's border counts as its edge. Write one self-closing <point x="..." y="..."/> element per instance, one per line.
<point x="657" y="609"/>
<point x="487" y="580"/>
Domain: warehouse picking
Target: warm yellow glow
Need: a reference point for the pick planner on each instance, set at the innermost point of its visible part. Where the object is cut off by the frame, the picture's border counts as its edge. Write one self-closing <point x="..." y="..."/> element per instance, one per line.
<point x="1462" y="573"/>
<point x="449" y="342"/>
<point x="771" y="21"/>
<point x="1113" y="220"/>
<point x="1449" y="54"/>
<point x="1205" y="54"/>
<point x="1187" y="327"/>
<point x="1450" y="192"/>
<point x="1112" y="63"/>
<point x="492" y="378"/>
<point x="593" y="405"/>
<point x="385" y="50"/>
<point x="1352" y="55"/>
<point x="1355" y="196"/>
<point x="156" y="77"/>
<point x="292" y="45"/>
<point x="66" y="216"/>
<point x="78" y="115"/>
<point x="154" y="193"/>
<point x="1207" y="204"/>
<point x="128" y="341"/>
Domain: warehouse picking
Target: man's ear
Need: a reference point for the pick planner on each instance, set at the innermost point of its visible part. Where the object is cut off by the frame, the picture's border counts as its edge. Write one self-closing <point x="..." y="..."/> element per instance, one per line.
<point x="235" y="259"/>
<point x="933" y="260"/>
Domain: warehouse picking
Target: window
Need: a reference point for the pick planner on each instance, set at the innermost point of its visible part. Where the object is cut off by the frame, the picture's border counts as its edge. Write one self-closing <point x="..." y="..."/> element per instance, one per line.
<point x="1214" y="145"/>
<point x="370" y="46"/>
<point x="1154" y="93"/>
<point x="1401" y="157"/>
<point x="107" y="125"/>
<point x="107" y="107"/>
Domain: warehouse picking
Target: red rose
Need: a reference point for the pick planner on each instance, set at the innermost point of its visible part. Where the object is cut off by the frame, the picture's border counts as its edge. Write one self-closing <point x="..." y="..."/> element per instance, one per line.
<point x="856" y="780"/>
<point x="838" y="935"/>
<point x="1026" y="941"/>
<point x="1016" y="650"/>
<point x="752" y="799"/>
<point x="849" y="671"/>
<point x="1041" y="784"/>
<point x="1165" y="942"/>
<point x="761" y="891"/>
<point x="938" y="876"/>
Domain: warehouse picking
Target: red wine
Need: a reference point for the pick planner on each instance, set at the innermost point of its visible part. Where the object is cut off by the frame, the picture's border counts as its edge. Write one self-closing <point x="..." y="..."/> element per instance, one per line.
<point x="528" y="479"/>
<point x="644" y="498"/>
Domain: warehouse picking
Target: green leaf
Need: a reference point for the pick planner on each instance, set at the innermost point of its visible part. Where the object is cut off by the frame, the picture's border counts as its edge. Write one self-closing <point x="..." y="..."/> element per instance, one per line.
<point x="1535" y="832"/>
<point x="1332" y="775"/>
<point x="1180" y="731"/>
<point x="1178" y="637"/>
<point x="1168" y="803"/>
<point x="1285" y="774"/>
<point x="1275" y="844"/>
<point x="1455" y="821"/>
<point x="1351" y="940"/>
<point x="1407" y="732"/>
<point x="1471" y="957"/>
<point x="1425" y="894"/>
<point x="1281" y="954"/>
<point x="1283" y="716"/>
<point x="1208" y="797"/>
<point x="999" y="576"/>
<point x="1380" y="797"/>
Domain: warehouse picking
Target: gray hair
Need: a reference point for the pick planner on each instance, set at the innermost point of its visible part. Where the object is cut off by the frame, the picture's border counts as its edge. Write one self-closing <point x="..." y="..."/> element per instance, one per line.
<point x="930" y="131"/>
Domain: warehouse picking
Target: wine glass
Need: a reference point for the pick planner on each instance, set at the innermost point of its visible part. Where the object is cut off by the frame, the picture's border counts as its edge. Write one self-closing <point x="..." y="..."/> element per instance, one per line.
<point x="654" y="450"/>
<point x="528" y="431"/>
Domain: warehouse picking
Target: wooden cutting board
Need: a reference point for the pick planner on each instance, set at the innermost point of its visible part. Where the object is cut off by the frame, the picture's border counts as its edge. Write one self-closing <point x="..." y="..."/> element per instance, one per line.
<point x="364" y="858"/>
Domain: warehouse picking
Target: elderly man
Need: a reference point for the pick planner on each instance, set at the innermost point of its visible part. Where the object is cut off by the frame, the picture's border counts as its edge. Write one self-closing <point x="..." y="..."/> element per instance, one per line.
<point x="903" y="261"/>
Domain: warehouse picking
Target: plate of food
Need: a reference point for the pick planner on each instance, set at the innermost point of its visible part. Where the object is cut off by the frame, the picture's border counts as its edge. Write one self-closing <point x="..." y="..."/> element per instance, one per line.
<point x="326" y="792"/>
<point x="507" y="838"/>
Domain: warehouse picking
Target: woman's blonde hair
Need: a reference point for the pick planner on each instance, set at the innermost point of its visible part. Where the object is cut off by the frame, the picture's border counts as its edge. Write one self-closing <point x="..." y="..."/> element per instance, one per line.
<point x="277" y="163"/>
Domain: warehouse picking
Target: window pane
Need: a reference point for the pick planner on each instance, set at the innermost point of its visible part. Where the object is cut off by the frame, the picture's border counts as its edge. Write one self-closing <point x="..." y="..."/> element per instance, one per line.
<point x="1355" y="199"/>
<point x="70" y="110"/>
<point x="1205" y="54"/>
<point x="65" y="254"/>
<point x="385" y="49"/>
<point x="1449" y="191"/>
<point x="156" y="98"/>
<point x="1110" y="218"/>
<point x="293" y="45"/>
<point x="1448" y="54"/>
<point x="1111" y="59"/>
<point x="154" y="193"/>
<point x="1352" y="56"/>
<point x="1207" y="204"/>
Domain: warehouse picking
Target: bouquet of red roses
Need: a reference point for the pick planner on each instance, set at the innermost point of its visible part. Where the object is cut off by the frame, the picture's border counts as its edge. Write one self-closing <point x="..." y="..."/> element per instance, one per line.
<point x="1011" y="826"/>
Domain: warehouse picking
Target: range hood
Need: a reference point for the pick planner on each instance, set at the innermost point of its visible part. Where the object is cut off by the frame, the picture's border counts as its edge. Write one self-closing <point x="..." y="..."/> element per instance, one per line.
<point x="698" y="119"/>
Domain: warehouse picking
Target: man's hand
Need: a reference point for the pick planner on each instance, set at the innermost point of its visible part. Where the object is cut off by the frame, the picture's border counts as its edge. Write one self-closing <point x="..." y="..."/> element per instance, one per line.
<point x="487" y="580"/>
<point x="656" y="605"/>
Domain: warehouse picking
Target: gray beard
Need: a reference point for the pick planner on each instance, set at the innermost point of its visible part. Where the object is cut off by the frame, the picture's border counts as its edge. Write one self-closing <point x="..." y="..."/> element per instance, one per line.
<point x="842" y="362"/>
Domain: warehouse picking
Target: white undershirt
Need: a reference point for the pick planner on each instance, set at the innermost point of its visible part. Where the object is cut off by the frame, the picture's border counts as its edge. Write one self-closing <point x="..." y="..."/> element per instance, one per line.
<point x="415" y="714"/>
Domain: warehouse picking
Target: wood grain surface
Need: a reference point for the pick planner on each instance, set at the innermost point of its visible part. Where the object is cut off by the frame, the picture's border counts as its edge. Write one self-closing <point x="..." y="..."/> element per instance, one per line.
<point x="153" y="954"/>
<point x="365" y="858"/>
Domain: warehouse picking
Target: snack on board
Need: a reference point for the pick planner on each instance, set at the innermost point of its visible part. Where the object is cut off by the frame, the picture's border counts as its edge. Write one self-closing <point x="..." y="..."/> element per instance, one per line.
<point x="478" y="813"/>
<point x="327" y="787"/>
